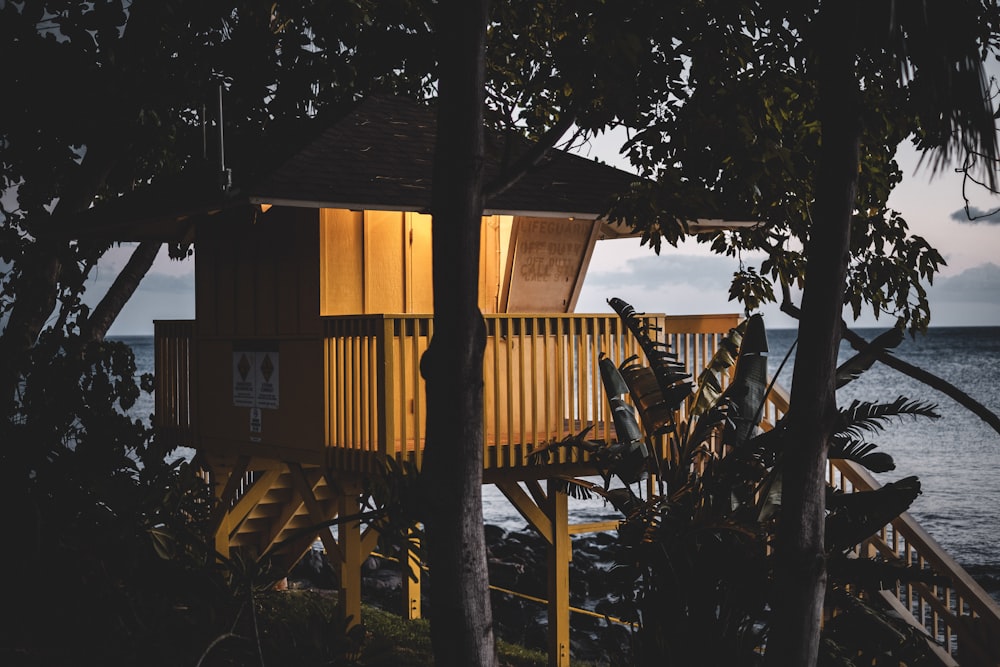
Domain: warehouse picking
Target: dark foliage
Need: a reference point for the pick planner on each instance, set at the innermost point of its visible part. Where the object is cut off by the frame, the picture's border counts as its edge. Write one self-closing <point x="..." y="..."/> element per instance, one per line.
<point x="694" y="568"/>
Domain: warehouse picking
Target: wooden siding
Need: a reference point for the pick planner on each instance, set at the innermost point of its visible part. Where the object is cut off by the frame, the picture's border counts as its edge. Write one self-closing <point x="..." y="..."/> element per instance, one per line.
<point x="258" y="274"/>
<point x="381" y="262"/>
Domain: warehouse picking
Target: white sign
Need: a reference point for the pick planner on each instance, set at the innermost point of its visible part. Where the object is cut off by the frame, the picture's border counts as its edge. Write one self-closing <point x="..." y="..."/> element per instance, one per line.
<point x="255" y="376"/>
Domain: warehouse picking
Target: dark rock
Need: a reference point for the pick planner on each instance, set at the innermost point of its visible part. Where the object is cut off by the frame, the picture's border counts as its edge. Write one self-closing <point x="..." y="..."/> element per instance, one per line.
<point x="315" y="568"/>
<point x="493" y="534"/>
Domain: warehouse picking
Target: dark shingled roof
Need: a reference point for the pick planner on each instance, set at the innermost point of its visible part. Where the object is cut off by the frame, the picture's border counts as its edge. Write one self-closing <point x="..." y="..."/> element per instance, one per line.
<point x="381" y="156"/>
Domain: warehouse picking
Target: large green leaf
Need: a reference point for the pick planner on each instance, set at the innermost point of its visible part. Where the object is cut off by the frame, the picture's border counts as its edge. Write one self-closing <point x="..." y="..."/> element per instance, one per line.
<point x="854" y="517"/>
<point x="748" y="389"/>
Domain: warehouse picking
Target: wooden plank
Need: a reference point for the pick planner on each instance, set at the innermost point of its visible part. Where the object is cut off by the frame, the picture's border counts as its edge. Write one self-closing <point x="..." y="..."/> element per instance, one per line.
<point x="306" y="228"/>
<point x="594" y="527"/>
<point x="384" y="270"/>
<point x="218" y="524"/>
<point x="349" y="533"/>
<point x="588" y="253"/>
<point x="385" y="396"/>
<point x="341" y="262"/>
<point x="267" y="241"/>
<point x="527" y="508"/>
<point x="304" y="488"/>
<point x="420" y="284"/>
<point x="559" y="555"/>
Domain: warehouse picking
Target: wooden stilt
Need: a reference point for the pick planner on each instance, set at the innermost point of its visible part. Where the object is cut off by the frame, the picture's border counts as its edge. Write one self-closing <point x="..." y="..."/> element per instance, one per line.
<point x="559" y="555"/>
<point x="349" y="538"/>
<point x="411" y="579"/>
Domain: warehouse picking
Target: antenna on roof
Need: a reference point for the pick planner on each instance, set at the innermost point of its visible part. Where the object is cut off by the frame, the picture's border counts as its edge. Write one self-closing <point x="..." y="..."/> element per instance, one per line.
<point x="204" y="134"/>
<point x="225" y="174"/>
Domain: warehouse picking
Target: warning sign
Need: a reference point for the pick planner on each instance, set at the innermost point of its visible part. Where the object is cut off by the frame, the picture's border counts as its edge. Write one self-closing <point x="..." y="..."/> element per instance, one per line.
<point x="267" y="380"/>
<point x="243" y="379"/>
<point x="255" y="375"/>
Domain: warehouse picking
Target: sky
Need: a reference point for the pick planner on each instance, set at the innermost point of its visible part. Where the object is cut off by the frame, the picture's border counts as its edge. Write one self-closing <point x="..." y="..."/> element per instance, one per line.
<point x="690" y="279"/>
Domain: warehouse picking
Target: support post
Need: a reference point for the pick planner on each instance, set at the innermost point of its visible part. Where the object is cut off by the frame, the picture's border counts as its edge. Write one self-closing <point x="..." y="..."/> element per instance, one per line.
<point x="349" y="539"/>
<point x="411" y="577"/>
<point x="559" y="555"/>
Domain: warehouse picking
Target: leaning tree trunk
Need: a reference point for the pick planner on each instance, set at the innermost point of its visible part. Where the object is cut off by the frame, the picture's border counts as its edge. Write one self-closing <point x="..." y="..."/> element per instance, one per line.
<point x="800" y="566"/>
<point x="121" y="290"/>
<point x="461" y="617"/>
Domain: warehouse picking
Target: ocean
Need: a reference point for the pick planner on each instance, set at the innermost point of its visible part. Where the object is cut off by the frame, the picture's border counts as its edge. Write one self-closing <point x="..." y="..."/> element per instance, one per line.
<point x="956" y="457"/>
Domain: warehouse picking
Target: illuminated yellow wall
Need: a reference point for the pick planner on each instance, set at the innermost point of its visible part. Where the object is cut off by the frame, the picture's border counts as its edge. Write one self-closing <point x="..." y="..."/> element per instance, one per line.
<point x="380" y="262"/>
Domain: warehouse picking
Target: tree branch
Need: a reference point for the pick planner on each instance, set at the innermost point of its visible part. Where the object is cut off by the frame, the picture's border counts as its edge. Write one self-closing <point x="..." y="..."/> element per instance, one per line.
<point x="530" y="159"/>
<point x="915" y="372"/>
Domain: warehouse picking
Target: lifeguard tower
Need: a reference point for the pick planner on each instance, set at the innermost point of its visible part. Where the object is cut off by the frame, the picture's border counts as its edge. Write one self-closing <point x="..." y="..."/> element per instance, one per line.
<point x="313" y="301"/>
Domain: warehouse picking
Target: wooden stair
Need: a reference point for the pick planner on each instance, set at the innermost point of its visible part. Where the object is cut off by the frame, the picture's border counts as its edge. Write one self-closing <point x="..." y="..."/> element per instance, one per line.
<point x="277" y="513"/>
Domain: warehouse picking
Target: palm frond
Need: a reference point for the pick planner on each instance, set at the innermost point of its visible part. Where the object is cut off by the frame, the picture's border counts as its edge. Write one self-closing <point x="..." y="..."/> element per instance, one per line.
<point x="574" y="488"/>
<point x="669" y="372"/>
<point x="543" y="454"/>
<point x="863" y="417"/>
<point x="862" y="453"/>
<point x="939" y="49"/>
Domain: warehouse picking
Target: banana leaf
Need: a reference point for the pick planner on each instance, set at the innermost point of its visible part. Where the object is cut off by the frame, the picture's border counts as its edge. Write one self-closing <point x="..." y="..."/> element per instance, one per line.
<point x="854" y="517"/>
<point x="749" y="386"/>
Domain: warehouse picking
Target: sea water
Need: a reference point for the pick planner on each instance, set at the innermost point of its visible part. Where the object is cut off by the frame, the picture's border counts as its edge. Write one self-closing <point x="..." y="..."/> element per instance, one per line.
<point x="956" y="457"/>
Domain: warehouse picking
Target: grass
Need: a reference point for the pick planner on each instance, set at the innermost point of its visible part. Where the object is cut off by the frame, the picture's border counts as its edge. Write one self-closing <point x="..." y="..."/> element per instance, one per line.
<point x="395" y="641"/>
<point x="304" y="623"/>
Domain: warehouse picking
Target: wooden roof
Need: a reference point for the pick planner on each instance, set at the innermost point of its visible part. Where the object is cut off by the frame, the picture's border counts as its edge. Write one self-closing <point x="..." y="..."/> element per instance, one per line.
<point x="379" y="156"/>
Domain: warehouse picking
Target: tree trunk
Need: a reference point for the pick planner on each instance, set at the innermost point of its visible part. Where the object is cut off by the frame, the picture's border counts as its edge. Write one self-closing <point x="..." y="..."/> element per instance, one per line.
<point x="121" y="290"/>
<point x="800" y="565"/>
<point x="461" y="617"/>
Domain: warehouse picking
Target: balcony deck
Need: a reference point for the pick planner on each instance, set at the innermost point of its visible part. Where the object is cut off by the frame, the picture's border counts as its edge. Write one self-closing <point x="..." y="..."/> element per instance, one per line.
<point x="542" y="382"/>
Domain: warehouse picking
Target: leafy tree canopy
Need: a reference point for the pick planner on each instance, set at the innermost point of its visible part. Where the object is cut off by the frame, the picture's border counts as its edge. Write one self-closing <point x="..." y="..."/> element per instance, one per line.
<point x="738" y="134"/>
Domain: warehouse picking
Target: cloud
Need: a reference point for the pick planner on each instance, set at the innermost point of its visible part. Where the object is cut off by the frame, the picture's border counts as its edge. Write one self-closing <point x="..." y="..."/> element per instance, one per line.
<point x="154" y="281"/>
<point x="660" y="271"/>
<point x="979" y="216"/>
<point x="160" y="296"/>
<point x="970" y="298"/>
<point x="980" y="283"/>
<point x="671" y="283"/>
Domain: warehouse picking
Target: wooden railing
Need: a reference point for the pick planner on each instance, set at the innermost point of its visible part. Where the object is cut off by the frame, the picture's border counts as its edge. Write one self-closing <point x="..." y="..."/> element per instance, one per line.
<point x="174" y="399"/>
<point x="542" y="379"/>
<point x="960" y="617"/>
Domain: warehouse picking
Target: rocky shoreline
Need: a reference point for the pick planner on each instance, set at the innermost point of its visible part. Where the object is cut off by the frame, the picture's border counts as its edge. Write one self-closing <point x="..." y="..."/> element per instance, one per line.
<point x="517" y="562"/>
